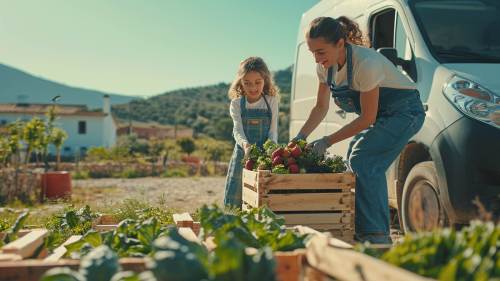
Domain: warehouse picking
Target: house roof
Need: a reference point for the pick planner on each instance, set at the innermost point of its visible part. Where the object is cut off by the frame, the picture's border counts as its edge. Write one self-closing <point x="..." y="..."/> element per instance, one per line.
<point x="66" y="110"/>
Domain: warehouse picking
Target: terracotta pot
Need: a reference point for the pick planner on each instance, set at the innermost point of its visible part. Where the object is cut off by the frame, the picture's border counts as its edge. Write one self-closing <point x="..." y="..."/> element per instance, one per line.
<point x="56" y="184"/>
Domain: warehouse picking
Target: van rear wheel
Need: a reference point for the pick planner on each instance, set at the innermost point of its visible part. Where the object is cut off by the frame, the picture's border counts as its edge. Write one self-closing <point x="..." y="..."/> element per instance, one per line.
<point x="422" y="209"/>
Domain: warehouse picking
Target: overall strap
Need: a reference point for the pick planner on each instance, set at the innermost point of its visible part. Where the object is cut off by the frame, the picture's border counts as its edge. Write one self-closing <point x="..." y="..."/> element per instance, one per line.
<point x="329" y="76"/>
<point x="349" y="65"/>
<point x="243" y="107"/>
<point x="269" y="112"/>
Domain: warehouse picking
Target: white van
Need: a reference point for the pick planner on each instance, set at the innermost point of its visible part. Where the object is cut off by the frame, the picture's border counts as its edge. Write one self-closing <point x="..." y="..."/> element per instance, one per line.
<point x="451" y="49"/>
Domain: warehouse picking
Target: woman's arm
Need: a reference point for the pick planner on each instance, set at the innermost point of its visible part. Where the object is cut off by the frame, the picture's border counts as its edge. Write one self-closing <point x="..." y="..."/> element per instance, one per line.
<point x="319" y="111"/>
<point x="369" y="109"/>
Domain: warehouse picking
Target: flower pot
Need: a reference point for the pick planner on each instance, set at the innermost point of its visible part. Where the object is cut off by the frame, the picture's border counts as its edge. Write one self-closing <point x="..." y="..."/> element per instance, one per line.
<point x="56" y="185"/>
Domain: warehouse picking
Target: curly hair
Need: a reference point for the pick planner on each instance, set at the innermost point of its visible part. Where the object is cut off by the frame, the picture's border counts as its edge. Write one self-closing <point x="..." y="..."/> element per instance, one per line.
<point x="256" y="64"/>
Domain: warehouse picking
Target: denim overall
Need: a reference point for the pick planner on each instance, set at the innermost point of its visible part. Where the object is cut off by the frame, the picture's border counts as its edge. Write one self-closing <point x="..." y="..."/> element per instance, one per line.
<point x="371" y="152"/>
<point x="256" y="125"/>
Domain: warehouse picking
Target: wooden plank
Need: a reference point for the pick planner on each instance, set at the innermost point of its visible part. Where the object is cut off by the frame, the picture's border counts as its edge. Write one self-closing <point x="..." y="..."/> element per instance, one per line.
<point x="270" y="181"/>
<point x="250" y="197"/>
<point x="308" y="202"/>
<point x="10" y="257"/>
<point x="330" y="227"/>
<point x="349" y="265"/>
<point x="289" y="265"/>
<point x="317" y="218"/>
<point x="188" y="234"/>
<point x="32" y="270"/>
<point x="183" y="220"/>
<point x="61" y="250"/>
<point x="26" y="245"/>
<point x="20" y="233"/>
<point x="196" y="227"/>
<point x="249" y="179"/>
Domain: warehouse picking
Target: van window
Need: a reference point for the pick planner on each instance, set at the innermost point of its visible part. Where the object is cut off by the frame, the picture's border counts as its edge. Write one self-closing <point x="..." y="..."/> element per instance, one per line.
<point x="388" y="31"/>
<point x="401" y="42"/>
<point x="460" y="31"/>
<point x="306" y="79"/>
<point x="382" y="31"/>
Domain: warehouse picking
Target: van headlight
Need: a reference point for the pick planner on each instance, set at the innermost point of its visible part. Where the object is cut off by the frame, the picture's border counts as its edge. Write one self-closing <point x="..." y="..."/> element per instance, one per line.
<point x="473" y="100"/>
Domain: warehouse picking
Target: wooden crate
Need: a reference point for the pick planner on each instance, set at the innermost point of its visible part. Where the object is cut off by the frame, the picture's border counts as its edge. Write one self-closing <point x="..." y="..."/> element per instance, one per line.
<point x="321" y="201"/>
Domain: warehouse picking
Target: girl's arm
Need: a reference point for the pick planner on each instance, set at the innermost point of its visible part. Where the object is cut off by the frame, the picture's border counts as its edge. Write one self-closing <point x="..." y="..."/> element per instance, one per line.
<point x="238" y="132"/>
<point x="318" y="112"/>
<point x="369" y="109"/>
<point x="273" y="130"/>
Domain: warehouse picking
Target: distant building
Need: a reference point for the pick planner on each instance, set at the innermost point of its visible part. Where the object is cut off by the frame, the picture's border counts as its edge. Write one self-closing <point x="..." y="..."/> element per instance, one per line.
<point x="85" y="128"/>
<point x="148" y="130"/>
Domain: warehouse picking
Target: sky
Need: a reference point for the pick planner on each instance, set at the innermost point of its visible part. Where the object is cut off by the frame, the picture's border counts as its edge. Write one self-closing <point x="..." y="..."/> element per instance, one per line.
<point x="147" y="47"/>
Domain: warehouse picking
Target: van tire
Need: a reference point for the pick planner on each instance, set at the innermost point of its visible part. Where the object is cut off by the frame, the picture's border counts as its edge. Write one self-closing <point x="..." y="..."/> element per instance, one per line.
<point x="422" y="210"/>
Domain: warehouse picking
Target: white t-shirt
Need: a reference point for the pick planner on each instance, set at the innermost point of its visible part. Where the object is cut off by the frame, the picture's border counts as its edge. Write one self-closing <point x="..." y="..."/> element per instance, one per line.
<point x="369" y="69"/>
<point x="235" y="111"/>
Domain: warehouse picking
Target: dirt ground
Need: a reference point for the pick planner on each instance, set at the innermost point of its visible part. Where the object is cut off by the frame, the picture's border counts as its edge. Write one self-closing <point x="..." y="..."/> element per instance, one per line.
<point x="181" y="194"/>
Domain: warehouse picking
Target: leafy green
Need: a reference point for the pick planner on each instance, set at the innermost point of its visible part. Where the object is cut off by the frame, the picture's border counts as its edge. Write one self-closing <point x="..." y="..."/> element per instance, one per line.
<point x="100" y="264"/>
<point x="257" y="228"/>
<point x="469" y="254"/>
<point x="11" y="233"/>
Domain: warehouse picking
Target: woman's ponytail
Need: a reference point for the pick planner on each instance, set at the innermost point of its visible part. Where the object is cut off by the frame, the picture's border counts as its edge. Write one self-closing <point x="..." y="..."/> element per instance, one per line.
<point x="332" y="30"/>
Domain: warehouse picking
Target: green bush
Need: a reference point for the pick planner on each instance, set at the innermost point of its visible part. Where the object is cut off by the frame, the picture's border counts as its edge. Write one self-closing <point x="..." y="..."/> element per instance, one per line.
<point x="175" y="173"/>
<point x="131" y="173"/>
<point x="80" y="175"/>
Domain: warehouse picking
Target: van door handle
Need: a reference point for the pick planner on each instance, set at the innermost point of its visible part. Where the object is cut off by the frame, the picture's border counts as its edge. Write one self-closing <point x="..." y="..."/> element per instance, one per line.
<point x="341" y="113"/>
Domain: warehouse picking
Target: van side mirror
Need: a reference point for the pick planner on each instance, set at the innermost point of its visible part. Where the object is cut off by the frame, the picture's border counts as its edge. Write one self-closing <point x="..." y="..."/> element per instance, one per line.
<point x="391" y="54"/>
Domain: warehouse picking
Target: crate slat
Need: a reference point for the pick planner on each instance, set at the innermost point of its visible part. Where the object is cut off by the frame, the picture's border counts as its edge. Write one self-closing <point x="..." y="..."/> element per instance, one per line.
<point x="317" y="218"/>
<point x="304" y="181"/>
<point x="308" y="202"/>
<point x="26" y="245"/>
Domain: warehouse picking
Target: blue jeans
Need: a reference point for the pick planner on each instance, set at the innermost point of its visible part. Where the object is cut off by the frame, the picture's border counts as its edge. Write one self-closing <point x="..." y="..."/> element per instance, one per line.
<point x="370" y="154"/>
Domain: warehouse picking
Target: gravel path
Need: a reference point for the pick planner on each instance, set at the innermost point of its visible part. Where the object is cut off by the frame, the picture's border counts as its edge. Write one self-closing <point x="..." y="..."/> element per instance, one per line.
<point x="182" y="194"/>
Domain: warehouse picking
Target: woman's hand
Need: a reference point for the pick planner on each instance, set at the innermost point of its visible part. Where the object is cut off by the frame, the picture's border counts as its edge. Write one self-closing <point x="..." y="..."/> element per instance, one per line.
<point x="320" y="146"/>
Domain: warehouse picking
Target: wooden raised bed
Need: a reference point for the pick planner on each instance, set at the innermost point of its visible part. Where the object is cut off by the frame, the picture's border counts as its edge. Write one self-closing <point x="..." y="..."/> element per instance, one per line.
<point x="321" y="201"/>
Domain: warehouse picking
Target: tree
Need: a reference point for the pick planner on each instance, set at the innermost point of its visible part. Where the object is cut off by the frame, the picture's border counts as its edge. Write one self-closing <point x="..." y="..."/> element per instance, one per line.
<point x="33" y="136"/>
<point x="187" y="145"/>
<point x="57" y="138"/>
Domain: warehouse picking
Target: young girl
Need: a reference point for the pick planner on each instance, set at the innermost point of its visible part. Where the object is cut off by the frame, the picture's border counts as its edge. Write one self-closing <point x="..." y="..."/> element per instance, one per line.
<point x="254" y="110"/>
<point x="363" y="81"/>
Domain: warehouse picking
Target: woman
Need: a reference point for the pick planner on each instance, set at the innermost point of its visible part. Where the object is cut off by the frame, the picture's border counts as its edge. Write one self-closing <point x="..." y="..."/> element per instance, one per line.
<point x="363" y="81"/>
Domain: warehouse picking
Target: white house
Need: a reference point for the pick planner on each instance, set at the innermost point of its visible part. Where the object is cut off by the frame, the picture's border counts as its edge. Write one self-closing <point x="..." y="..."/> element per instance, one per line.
<point x="85" y="128"/>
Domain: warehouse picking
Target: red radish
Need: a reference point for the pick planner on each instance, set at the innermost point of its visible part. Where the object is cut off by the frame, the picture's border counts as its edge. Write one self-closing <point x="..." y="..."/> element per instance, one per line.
<point x="286" y="153"/>
<point x="296" y="151"/>
<point x="249" y="164"/>
<point x="277" y="160"/>
<point x="293" y="169"/>
<point x="291" y="161"/>
<point x="277" y="152"/>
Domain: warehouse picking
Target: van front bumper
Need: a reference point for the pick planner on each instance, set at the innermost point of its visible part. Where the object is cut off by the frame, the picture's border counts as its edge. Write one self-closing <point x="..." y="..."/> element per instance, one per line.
<point x="467" y="158"/>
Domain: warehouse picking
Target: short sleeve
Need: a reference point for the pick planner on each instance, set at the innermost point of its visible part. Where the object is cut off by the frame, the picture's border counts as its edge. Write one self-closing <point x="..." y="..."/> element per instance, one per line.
<point x="369" y="75"/>
<point x="322" y="73"/>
